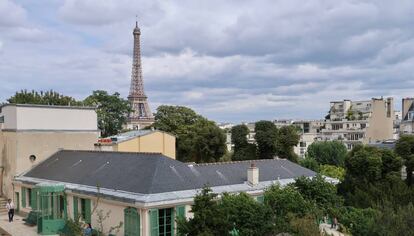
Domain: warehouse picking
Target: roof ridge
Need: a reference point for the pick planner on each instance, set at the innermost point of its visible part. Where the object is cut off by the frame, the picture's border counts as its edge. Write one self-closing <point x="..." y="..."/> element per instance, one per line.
<point x="97" y="151"/>
<point x="231" y="162"/>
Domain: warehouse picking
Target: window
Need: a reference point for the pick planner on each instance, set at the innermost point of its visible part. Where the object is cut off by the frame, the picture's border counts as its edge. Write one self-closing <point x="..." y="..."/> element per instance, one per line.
<point x="85" y="209"/>
<point x="363" y="126"/>
<point x="305" y="127"/>
<point x="302" y="144"/>
<point x="1" y="119"/>
<point x="165" y="222"/>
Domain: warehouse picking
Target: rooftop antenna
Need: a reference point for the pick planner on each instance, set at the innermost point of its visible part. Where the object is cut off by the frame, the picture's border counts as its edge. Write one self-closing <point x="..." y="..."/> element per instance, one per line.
<point x="136" y="20"/>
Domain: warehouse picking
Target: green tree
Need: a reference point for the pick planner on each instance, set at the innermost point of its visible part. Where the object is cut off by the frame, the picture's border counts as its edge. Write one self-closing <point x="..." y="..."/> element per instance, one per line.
<point x="214" y="216"/>
<point x="198" y="139"/>
<point x="319" y="191"/>
<point x="327" y="152"/>
<point x="286" y="203"/>
<point x="332" y="171"/>
<point x="266" y="135"/>
<point x="206" y="219"/>
<point x="287" y="138"/>
<point x="43" y="98"/>
<point x="208" y="141"/>
<point x="245" y="214"/>
<point x="405" y="148"/>
<point x="112" y="111"/>
<point x="242" y="149"/>
<point x="310" y="163"/>
<point x="175" y="119"/>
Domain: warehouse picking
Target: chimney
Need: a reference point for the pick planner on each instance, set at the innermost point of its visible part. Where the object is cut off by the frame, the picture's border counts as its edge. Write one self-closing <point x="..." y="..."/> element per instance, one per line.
<point x="253" y="174"/>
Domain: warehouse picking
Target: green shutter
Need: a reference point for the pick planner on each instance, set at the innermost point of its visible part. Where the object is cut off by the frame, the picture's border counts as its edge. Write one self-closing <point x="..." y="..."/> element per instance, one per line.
<point x="154" y="222"/>
<point x="172" y="221"/>
<point x="88" y="211"/>
<point x="75" y="208"/>
<point x="180" y="211"/>
<point x="132" y="222"/>
<point x="23" y="197"/>
<point x="260" y="198"/>
<point x="34" y="199"/>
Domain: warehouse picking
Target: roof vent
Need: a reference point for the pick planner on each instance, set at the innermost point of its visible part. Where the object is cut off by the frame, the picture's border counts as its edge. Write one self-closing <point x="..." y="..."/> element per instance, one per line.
<point x="253" y="174"/>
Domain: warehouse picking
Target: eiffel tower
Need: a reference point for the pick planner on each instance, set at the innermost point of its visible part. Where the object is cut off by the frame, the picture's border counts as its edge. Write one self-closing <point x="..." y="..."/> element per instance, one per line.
<point x="141" y="115"/>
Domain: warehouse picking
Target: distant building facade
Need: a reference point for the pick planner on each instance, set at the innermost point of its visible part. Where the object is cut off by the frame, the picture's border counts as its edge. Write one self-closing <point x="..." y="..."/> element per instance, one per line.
<point x="350" y="122"/>
<point x="360" y="122"/>
<point x="407" y="116"/>
<point x="31" y="133"/>
<point x="152" y="141"/>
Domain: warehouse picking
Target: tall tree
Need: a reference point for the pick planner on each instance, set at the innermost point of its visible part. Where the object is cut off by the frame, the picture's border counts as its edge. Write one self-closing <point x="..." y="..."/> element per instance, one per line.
<point x="405" y="148"/>
<point x="208" y="141"/>
<point x="43" y="97"/>
<point x="242" y="149"/>
<point x="198" y="139"/>
<point x="112" y="111"/>
<point x="287" y="137"/>
<point x="266" y="135"/>
<point x="327" y="152"/>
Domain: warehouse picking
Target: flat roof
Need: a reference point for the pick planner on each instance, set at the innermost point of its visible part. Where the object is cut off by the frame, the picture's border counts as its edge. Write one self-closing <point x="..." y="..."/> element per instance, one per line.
<point x="49" y="106"/>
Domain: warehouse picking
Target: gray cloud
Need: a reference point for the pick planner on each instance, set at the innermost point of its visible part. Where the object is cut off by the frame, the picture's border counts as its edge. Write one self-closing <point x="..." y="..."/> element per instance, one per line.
<point x="229" y="60"/>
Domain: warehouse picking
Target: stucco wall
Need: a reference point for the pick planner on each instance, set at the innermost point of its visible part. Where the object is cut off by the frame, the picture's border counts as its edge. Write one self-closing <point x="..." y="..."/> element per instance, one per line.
<point x="380" y="124"/>
<point x="154" y="142"/>
<point x="16" y="148"/>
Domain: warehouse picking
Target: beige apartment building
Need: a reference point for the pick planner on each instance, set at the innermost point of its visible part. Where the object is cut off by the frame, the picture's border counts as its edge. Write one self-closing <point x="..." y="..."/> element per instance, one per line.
<point x="139" y="141"/>
<point x="31" y="133"/>
<point x="355" y="122"/>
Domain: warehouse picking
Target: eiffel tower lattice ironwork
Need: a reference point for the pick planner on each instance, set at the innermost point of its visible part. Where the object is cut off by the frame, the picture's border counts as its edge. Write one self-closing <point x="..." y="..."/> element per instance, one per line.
<point x="141" y="115"/>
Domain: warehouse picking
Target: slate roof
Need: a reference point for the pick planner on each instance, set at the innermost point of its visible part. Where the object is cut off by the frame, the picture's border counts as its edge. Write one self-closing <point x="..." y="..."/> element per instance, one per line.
<point x="150" y="173"/>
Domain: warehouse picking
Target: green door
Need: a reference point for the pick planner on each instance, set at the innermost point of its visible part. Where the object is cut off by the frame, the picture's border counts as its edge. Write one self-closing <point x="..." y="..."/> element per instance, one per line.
<point x="132" y="222"/>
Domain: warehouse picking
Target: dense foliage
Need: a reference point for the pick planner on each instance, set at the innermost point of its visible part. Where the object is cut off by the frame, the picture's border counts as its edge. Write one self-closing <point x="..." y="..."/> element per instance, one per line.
<point x="44" y="98"/>
<point x="112" y="111"/>
<point x="265" y="135"/>
<point x="242" y="149"/>
<point x="198" y="139"/>
<point x="405" y="149"/>
<point x="327" y="152"/>
<point x="287" y="138"/>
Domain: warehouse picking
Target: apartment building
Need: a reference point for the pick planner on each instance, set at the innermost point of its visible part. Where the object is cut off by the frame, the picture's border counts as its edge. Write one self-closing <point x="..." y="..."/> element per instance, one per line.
<point x="407" y="116"/>
<point x="310" y="130"/>
<point x="356" y="122"/>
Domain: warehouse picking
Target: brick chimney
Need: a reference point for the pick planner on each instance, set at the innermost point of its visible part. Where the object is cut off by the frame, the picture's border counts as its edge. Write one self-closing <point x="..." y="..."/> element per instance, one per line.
<point x="253" y="174"/>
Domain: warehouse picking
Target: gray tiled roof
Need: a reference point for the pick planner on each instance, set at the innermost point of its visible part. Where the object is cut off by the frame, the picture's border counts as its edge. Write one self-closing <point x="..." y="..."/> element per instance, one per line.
<point x="149" y="173"/>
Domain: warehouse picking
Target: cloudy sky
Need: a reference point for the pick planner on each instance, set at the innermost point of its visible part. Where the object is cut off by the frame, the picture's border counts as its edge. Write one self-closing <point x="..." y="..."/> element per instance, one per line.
<point x="229" y="60"/>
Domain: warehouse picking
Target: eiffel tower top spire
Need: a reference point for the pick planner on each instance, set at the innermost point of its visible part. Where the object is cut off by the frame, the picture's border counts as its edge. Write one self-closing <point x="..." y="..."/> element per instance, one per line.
<point x="141" y="115"/>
